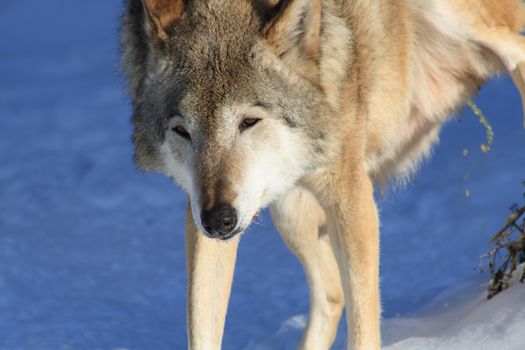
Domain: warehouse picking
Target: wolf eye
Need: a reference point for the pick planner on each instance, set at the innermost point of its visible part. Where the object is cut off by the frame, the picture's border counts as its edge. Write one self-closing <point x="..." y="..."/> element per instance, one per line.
<point x="248" y="123"/>
<point x="182" y="132"/>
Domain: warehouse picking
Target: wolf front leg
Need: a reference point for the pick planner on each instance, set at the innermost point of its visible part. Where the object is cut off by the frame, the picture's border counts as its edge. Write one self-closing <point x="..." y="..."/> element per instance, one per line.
<point x="355" y="240"/>
<point x="347" y="197"/>
<point x="210" y="265"/>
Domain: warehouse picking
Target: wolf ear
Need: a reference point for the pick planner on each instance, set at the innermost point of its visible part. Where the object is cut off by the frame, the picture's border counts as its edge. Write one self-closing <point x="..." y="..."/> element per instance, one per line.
<point x="161" y="15"/>
<point x="293" y="28"/>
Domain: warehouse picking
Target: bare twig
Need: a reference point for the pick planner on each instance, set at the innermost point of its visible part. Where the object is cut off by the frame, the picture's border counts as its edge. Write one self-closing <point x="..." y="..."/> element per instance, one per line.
<point x="511" y="241"/>
<point x="511" y="221"/>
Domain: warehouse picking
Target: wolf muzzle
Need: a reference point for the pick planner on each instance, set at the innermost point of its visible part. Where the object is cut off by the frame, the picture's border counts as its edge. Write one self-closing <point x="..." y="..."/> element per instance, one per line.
<point x="220" y="222"/>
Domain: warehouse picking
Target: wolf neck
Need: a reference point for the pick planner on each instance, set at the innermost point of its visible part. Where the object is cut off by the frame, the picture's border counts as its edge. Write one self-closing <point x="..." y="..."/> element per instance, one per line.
<point x="336" y="54"/>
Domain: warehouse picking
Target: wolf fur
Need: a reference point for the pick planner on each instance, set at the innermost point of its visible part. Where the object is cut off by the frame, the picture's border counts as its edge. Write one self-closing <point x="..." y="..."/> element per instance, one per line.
<point x="303" y="106"/>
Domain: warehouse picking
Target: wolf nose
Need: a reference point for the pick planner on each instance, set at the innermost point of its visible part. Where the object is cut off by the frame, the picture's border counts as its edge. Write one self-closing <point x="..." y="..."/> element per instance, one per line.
<point x="220" y="221"/>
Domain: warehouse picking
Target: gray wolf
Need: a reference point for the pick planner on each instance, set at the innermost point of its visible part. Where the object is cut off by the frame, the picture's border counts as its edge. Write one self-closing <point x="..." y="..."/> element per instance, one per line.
<point x="303" y="106"/>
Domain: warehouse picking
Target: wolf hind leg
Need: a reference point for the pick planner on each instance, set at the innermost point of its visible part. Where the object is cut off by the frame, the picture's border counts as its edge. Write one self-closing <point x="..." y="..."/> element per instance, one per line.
<point x="300" y="221"/>
<point x="509" y="47"/>
<point x="345" y="192"/>
<point x="498" y="30"/>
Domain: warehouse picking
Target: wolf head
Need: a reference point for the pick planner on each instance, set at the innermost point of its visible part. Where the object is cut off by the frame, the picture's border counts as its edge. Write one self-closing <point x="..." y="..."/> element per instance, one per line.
<point x="227" y="100"/>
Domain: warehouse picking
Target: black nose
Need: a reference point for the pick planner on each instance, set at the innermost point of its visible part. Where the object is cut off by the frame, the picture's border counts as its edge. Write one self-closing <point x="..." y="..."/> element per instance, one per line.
<point x="219" y="221"/>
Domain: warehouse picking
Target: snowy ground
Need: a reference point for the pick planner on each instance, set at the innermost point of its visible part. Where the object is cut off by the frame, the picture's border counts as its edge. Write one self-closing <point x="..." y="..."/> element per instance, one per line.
<point x="92" y="251"/>
<point x="458" y="318"/>
<point x="462" y="318"/>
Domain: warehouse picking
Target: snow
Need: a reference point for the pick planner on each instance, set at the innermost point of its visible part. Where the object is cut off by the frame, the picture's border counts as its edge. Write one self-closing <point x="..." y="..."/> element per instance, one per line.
<point x="92" y="251"/>
<point x="470" y="323"/>
<point x="459" y="318"/>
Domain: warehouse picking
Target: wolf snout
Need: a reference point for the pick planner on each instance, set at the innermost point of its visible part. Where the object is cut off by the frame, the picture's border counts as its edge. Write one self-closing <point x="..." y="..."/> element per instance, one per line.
<point x="219" y="222"/>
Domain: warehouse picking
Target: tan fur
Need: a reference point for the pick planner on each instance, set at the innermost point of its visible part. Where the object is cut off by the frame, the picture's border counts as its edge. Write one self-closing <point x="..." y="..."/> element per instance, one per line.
<point x="443" y="51"/>
<point x="415" y="63"/>
<point x="218" y="184"/>
<point x="210" y="270"/>
<point x="302" y="224"/>
<point x="376" y="80"/>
